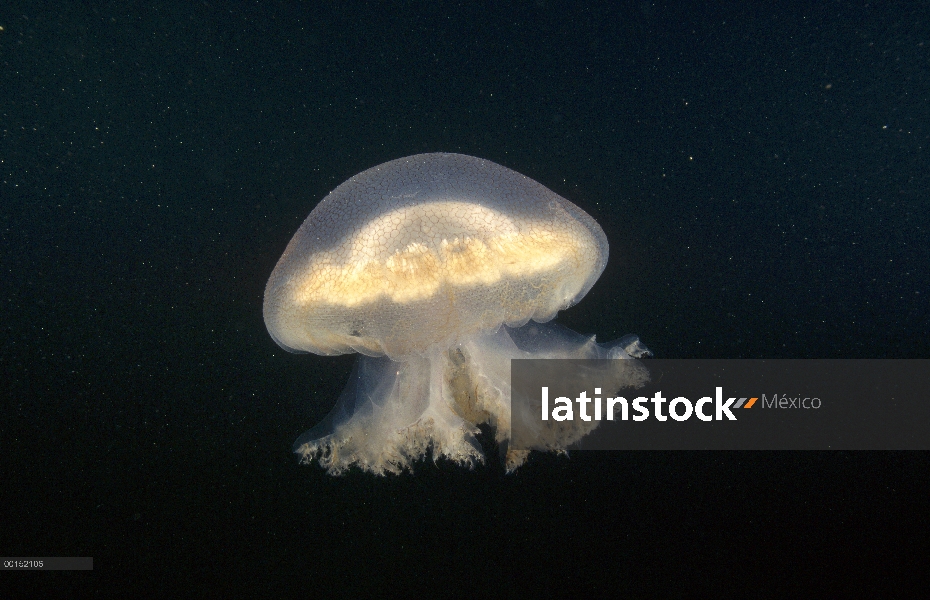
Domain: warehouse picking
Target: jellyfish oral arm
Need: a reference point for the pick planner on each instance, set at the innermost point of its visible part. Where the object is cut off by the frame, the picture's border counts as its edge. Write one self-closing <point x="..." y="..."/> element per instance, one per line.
<point x="394" y="413"/>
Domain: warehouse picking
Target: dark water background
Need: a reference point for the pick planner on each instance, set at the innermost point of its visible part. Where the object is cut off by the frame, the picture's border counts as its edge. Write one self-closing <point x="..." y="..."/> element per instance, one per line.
<point x="762" y="175"/>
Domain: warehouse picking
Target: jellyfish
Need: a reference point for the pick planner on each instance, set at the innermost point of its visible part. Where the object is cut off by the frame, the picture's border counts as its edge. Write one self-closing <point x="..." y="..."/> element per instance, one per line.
<point x="438" y="269"/>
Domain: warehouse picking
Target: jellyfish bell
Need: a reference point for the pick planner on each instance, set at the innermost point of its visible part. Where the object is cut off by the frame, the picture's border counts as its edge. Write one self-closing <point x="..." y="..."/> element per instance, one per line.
<point x="426" y="250"/>
<point x="432" y="268"/>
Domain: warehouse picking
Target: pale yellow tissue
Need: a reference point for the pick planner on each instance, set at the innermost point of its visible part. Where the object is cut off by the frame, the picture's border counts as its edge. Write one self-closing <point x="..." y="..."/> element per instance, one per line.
<point x="418" y="272"/>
